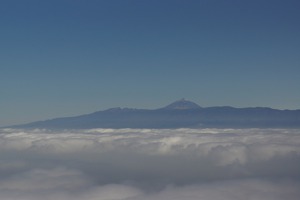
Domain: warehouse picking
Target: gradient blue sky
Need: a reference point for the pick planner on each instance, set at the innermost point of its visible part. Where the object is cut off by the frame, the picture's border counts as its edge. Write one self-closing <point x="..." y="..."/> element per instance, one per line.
<point x="70" y="57"/>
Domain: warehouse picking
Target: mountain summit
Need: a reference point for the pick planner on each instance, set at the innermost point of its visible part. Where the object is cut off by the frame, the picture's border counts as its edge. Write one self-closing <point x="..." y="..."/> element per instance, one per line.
<point x="182" y="104"/>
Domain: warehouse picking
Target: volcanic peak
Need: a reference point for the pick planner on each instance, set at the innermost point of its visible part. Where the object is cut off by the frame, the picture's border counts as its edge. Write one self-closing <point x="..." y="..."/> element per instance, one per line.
<point x="182" y="104"/>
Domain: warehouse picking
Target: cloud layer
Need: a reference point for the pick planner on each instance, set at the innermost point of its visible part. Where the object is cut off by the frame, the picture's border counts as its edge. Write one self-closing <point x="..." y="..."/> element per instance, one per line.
<point x="150" y="164"/>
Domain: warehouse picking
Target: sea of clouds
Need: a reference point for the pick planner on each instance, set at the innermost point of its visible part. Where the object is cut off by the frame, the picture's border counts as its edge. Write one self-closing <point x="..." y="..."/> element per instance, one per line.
<point x="150" y="164"/>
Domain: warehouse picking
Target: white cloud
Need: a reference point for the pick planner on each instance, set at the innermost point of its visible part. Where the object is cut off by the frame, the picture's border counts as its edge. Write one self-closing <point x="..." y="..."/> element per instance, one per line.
<point x="45" y="179"/>
<point x="150" y="164"/>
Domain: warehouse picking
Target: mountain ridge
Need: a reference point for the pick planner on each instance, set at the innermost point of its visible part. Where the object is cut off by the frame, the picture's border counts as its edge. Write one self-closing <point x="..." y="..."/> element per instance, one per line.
<point x="179" y="114"/>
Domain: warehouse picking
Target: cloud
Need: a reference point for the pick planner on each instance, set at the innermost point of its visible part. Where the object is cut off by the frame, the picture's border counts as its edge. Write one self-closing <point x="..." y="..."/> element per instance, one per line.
<point x="45" y="179"/>
<point x="150" y="164"/>
<point x="230" y="190"/>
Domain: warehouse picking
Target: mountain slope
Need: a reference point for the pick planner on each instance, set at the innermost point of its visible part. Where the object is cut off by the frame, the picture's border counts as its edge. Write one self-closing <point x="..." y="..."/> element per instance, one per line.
<point x="182" y="105"/>
<point x="180" y="114"/>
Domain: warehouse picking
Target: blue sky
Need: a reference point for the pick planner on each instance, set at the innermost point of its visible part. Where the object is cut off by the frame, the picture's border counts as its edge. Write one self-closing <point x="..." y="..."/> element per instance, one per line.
<point x="70" y="57"/>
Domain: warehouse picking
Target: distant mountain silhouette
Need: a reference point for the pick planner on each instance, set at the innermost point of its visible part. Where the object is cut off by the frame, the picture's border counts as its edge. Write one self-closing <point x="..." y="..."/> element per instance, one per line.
<point x="182" y="104"/>
<point x="180" y="114"/>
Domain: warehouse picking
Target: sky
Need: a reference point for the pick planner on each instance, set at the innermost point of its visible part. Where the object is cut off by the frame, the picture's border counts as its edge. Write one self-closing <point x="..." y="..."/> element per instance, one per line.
<point x="70" y="57"/>
<point x="147" y="164"/>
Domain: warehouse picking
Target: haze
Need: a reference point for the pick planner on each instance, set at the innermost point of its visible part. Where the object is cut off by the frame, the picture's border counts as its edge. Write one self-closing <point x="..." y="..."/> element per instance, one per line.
<point x="61" y="58"/>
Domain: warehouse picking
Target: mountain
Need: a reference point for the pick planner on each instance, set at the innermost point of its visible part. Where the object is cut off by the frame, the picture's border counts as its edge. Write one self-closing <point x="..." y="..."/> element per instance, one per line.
<point x="182" y="104"/>
<point x="179" y="114"/>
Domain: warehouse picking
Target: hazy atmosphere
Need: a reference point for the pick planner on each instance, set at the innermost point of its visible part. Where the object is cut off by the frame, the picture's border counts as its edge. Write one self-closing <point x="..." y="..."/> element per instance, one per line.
<point x="215" y="68"/>
<point x="149" y="164"/>
<point x="69" y="57"/>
